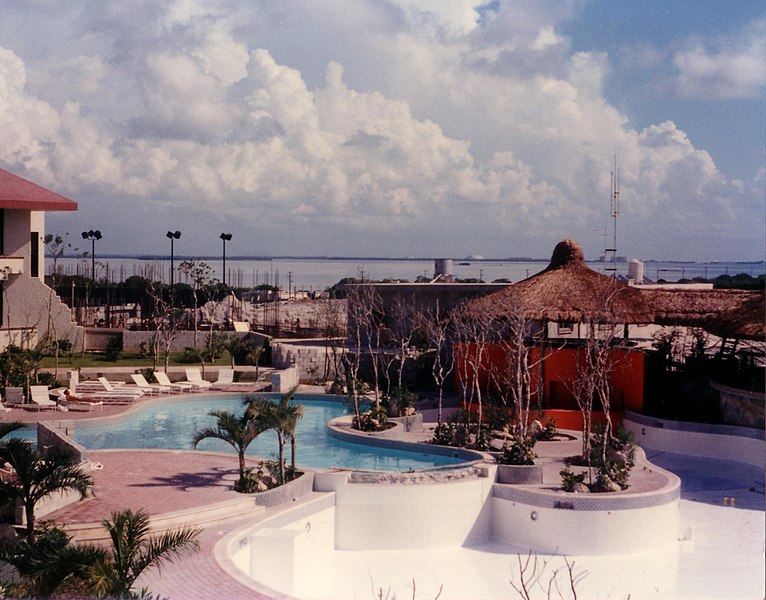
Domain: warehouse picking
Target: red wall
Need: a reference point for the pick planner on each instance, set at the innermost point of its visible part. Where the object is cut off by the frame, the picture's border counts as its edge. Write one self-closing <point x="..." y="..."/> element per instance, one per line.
<point x="560" y="371"/>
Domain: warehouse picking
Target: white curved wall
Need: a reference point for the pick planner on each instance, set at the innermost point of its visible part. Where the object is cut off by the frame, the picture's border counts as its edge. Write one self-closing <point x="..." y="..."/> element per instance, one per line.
<point x="713" y="442"/>
<point x="583" y="533"/>
<point x="401" y="516"/>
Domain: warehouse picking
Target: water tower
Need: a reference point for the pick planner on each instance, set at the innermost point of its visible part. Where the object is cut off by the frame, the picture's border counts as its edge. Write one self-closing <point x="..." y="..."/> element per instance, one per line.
<point x="443" y="269"/>
<point x="636" y="270"/>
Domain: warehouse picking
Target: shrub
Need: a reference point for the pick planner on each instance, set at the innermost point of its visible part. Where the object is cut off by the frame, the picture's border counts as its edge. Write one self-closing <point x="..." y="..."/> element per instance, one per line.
<point x="372" y="420"/>
<point x="570" y="479"/>
<point x="549" y="431"/>
<point x="519" y="452"/>
<point x="620" y="458"/>
<point x="113" y="349"/>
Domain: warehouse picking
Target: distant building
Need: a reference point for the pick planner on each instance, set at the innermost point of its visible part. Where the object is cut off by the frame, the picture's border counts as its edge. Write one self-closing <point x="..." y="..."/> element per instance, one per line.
<point x="30" y="312"/>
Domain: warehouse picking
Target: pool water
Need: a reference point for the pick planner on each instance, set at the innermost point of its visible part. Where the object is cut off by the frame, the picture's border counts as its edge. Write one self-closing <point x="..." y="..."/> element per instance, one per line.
<point x="171" y="425"/>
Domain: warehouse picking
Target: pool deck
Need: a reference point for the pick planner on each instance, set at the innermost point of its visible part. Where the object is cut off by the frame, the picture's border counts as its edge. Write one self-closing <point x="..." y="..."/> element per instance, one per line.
<point x="162" y="482"/>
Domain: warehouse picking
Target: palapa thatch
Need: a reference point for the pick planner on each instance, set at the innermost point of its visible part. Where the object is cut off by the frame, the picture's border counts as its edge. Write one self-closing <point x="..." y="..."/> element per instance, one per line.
<point x="696" y="308"/>
<point x="568" y="290"/>
<point x="747" y="321"/>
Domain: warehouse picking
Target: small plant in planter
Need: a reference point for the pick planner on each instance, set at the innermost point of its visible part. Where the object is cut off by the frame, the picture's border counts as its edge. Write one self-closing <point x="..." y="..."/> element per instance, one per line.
<point x="372" y="420"/>
<point x="549" y="431"/>
<point x="519" y="452"/>
<point x="444" y="433"/>
<point x="571" y="481"/>
<point x="620" y="460"/>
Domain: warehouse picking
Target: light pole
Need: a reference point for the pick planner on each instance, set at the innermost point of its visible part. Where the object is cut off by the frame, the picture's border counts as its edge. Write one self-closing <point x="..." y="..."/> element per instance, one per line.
<point x="225" y="237"/>
<point x="92" y="236"/>
<point x="172" y="235"/>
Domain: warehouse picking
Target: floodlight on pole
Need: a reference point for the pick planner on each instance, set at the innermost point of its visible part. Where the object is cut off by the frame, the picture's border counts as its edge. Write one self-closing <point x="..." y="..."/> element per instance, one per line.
<point x="92" y="235"/>
<point x="172" y="235"/>
<point x="225" y="237"/>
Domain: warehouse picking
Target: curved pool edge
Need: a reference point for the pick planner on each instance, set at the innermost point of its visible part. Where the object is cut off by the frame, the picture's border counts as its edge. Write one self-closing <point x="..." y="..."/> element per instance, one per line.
<point x="393" y="438"/>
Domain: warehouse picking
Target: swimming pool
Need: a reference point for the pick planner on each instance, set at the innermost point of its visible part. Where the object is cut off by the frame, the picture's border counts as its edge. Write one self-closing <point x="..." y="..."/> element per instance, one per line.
<point x="170" y="424"/>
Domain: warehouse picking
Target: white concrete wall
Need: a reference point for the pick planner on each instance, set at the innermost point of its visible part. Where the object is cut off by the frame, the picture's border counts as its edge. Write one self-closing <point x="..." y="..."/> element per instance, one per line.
<point x="748" y="450"/>
<point x="31" y="304"/>
<point x="18" y="224"/>
<point x="408" y="517"/>
<point x="582" y="533"/>
<point x="297" y="558"/>
<point x="283" y="381"/>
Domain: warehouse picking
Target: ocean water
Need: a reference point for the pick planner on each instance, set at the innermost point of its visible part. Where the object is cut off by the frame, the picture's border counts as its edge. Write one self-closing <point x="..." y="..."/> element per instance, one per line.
<point x="316" y="274"/>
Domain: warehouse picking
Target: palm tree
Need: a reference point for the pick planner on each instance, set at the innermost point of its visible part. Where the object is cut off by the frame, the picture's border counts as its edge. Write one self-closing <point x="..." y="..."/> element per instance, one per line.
<point x="38" y="474"/>
<point x="133" y="551"/>
<point x="51" y="563"/>
<point x="10" y="426"/>
<point x="282" y="418"/>
<point x="292" y="413"/>
<point x="268" y="417"/>
<point x="238" y="432"/>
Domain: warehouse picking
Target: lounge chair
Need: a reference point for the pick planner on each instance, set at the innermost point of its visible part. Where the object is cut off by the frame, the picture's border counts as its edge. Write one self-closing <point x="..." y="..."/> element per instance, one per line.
<point x="162" y="379"/>
<point x="14" y="396"/>
<point x="143" y="384"/>
<point x="120" y="391"/>
<point x="194" y="377"/>
<point x="41" y="398"/>
<point x="226" y="381"/>
<point x="84" y="401"/>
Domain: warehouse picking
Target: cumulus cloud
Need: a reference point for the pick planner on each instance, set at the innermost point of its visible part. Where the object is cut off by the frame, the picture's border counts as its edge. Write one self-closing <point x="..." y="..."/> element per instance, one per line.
<point x="452" y="129"/>
<point x="735" y="68"/>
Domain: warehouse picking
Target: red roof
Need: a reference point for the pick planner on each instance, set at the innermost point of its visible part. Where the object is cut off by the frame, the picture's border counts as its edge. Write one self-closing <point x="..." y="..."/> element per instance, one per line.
<point x="16" y="192"/>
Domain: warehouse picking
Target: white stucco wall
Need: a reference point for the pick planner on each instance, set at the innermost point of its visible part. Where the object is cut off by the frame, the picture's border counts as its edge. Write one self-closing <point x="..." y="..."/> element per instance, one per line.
<point x="582" y="533"/>
<point x="408" y="517"/>
<point x="721" y="442"/>
<point x="30" y="304"/>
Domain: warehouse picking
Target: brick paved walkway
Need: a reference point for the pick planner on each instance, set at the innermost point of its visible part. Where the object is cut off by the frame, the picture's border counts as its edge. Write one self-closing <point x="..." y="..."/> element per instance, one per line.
<point x="160" y="482"/>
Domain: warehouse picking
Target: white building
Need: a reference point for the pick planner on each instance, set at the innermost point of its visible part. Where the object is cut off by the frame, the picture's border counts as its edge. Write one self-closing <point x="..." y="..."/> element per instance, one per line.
<point x="30" y="312"/>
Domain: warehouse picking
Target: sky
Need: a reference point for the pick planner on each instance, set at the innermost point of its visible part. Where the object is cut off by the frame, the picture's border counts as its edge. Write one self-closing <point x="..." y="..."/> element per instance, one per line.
<point x="429" y="128"/>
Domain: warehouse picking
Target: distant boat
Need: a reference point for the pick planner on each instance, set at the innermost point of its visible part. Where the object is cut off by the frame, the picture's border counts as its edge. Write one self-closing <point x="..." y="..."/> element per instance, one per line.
<point x="465" y="264"/>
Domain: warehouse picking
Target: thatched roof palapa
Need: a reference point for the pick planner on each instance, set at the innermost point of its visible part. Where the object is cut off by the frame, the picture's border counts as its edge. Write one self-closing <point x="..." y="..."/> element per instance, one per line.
<point x="747" y="321"/>
<point x="568" y="290"/>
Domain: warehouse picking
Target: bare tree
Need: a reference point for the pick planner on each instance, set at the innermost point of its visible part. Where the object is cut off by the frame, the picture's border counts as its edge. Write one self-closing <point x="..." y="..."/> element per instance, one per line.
<point x="164" y="322"/>
<point x="536" y="576"/>
<point x="476" y="330"/>
<point x="596" y="360"/>
<point x="358" y="318"/>
<point x="199" y="275"/>
<point x="399" y="334"/>
<point x="332" y="324"/>
<point x="437" y="329"/>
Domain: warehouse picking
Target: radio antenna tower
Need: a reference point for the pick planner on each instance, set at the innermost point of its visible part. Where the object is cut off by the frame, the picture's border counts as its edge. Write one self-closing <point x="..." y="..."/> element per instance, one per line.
<point x="614" y="212"/>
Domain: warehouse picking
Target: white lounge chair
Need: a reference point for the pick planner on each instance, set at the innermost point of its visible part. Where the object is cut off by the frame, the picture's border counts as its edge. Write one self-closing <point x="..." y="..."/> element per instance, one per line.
<point x="143" y="384"/>
<point x="162" y="379"/>
<point x="107" y="393"/>
<point x="194" y="376"/>
<point x="225" y="379"/>
<point x="41" y="398"/>
<point x="83" y="401"/>
<point x="120" y="391"/>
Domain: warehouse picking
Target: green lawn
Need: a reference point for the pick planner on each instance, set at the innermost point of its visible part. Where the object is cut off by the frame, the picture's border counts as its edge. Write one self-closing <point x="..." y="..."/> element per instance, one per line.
<point x="127" y="359"/>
